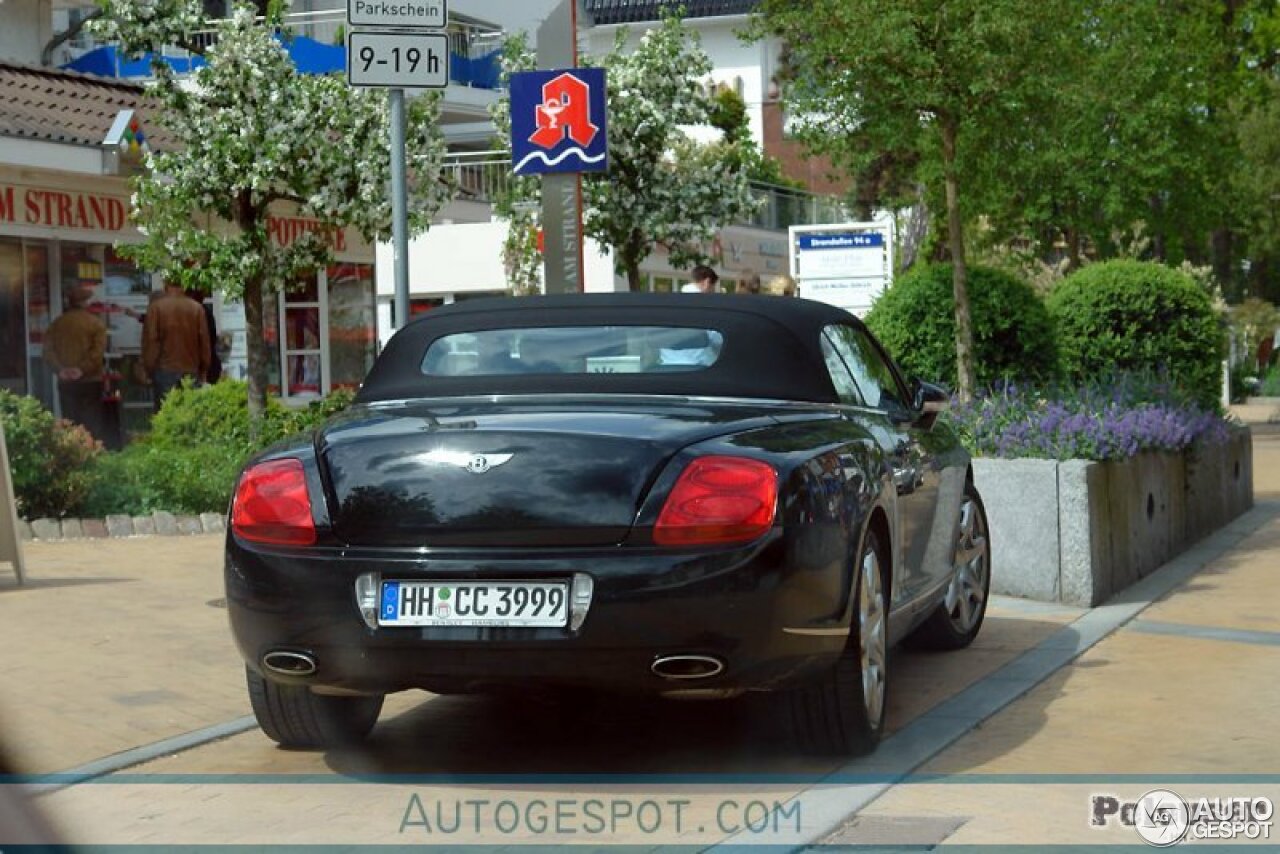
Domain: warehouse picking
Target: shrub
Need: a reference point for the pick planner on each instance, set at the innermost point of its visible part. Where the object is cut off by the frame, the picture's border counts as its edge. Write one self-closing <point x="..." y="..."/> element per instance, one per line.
<point x="1012" y="334"/>
<point x="199" y="440"/>
<point x="51" y="460"/>
<point x="146" y="476"/>
<point x="1138" y="316"/>
<point x="1099" y="421"/>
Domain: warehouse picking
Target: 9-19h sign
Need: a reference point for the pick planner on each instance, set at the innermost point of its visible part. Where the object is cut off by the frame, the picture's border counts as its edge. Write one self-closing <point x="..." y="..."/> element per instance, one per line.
<point x="400" y="60"/>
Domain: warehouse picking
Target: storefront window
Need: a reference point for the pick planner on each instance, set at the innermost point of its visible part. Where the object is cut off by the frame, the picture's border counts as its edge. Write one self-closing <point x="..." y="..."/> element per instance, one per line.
<point x="13" y="369"/>
<point x="352" y="324"/>
<point x="302" y="336"/>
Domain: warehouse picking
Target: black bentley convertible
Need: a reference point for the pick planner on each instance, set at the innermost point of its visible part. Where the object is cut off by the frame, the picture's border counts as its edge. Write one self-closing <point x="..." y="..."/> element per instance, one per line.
<point x="683" y="495"/>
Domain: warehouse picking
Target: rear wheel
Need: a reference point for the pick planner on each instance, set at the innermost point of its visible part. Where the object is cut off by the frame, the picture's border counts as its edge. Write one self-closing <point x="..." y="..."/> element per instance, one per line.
<point x="958" y="618"/>
<point x="842" y="713"/>
<point x="292" y="716"/>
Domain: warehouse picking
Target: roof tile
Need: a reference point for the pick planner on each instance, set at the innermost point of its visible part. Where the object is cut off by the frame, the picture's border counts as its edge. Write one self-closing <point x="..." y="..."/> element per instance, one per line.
<point x="66" y="106"/>
<point x="631" y="11"/>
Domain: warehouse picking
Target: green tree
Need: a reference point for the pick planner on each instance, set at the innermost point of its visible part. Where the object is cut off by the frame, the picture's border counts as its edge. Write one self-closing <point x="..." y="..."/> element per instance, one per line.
<point x="906" y="85"/>
<point x="662" y="186"/>
<point x="519" y="199"/>
<point x="252" y="131"/>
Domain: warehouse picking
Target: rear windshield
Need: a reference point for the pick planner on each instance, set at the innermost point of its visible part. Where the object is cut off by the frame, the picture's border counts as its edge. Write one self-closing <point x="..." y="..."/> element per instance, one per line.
<point x="573" y="350"/>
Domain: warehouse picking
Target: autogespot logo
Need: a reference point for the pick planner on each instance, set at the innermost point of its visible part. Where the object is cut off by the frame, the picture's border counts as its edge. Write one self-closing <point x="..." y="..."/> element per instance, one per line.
<point x="1161" y="818"/>
<point x="1164" y="818"/>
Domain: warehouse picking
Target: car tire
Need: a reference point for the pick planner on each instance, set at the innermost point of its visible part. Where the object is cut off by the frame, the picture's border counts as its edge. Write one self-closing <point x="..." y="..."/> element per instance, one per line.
<point x="958" y="618"/>
<point x="832" y="716"/>
<point x="293" y="716"/>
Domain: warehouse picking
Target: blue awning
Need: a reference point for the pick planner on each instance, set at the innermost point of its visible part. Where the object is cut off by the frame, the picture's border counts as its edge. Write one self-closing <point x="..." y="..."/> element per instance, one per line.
<point x="309" y="57"/>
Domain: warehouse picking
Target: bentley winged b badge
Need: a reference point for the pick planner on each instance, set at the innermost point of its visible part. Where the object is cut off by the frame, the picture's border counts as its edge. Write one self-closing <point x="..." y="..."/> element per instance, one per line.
<point x="474" y="463"/>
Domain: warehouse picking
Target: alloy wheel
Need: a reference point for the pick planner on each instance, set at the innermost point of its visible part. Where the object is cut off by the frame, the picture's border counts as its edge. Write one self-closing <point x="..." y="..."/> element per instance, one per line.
<point x="873" y="636"/>
<point x="967" y="592"/>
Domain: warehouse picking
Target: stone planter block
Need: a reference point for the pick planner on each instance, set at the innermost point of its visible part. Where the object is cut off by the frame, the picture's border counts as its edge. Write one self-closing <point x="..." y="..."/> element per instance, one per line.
<point x="1080" y="532"/>
<point x="1023" y="495"/>
<point x="46" y="529"/>
<point x="166" y="523"/>
<point x="72" y="529"/>
<point x="212" y="523"/>
<point x="190" y="525"/>
<point x="120" y="526"/>
<point x="144" y="526"/>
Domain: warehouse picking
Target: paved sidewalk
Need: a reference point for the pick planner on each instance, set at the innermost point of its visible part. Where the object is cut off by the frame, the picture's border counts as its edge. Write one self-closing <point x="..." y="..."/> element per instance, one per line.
<point x="113" y="644"/>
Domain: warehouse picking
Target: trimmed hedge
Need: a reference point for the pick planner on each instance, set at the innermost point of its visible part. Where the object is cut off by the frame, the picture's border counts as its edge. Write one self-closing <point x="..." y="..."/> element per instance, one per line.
<point x="199" y="440"/>
<point x="1012" y="333"/>
<point x="1137" y="316"/>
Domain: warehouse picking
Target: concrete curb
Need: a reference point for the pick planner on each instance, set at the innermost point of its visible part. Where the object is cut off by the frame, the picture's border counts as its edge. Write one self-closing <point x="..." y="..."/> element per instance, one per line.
<point x="159" y="523"/>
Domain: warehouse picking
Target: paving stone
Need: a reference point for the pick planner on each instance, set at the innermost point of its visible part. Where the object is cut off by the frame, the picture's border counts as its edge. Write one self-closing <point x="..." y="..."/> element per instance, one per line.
<point x="46" y="529"/>
<point x="72" y="529"/>
<point x="212" y="523"/>
<point x="24" y="530"/>
<point x="144" y="526"/>
<point x="120" y="526"/>
<point x="166" y="523"/>
<point x="95" y="529"/>
<point x="190" y="525"/>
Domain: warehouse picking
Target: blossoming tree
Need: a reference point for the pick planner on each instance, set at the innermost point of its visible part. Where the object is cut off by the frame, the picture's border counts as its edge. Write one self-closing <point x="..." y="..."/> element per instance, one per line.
<point x="662" y="187"/>
<point x="252" y="131"/>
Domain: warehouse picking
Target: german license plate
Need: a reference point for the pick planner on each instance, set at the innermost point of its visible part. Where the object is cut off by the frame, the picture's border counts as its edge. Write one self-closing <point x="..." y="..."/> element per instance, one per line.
<point x="474" y="603"/>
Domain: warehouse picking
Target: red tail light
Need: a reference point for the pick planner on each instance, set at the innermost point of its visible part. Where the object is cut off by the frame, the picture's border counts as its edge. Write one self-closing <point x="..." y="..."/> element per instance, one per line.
<point x="272" y="505"/>
<point x="718" y="500"/>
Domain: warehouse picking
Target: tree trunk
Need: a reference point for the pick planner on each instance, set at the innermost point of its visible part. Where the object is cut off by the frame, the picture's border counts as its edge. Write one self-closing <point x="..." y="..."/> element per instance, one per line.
<point x="633" y="252"/>
<point x="247" y="218"/>
<point x="258" y="354"/>
<point x="959" y="274"/>
<point x="1073" y="249"/>
<point x="633" y="275"/>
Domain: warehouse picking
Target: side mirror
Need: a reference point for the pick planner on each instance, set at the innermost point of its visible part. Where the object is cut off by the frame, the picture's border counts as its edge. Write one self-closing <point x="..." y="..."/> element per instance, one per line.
<point x="928" y="398"/>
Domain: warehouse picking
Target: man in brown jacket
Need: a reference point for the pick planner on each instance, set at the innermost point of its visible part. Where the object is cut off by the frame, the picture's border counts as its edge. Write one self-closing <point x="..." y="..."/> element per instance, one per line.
<point x="175" y="342"/>
<point x="74" y="346"/>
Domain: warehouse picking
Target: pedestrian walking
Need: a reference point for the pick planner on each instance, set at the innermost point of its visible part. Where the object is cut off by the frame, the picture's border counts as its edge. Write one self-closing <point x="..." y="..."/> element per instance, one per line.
<point x="175" y="342"/>
<point x="74" y="347"/>
<point x="751" y="284"/>
<point x="782" y="286"/>
<point x="215" y="361"/>
<point x="704" y="280"/>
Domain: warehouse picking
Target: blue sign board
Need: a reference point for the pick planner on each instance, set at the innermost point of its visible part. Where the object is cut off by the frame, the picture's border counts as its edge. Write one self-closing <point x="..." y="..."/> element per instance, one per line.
<point x="558" y="121"/>
<point x="840" y="240"/>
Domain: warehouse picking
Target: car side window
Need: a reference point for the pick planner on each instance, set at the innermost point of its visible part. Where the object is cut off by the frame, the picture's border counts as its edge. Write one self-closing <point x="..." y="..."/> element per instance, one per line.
<point x="873" y="375"/>
<point x="846" y="388"/>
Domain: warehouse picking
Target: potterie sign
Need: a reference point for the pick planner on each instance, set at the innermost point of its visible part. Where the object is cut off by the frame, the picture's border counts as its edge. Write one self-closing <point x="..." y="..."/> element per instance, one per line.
<point x="62" y="209"/>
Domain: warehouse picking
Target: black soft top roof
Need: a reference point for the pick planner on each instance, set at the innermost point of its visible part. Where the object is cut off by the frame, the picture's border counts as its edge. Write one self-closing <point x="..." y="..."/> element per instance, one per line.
<point x="771" y="346"/>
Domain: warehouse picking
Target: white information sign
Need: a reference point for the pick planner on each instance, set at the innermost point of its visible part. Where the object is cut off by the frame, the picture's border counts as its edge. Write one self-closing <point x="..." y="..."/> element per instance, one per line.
<point x="846" y="265"/>
<point x="425" y="14"/>
<point x="398" y="60"/>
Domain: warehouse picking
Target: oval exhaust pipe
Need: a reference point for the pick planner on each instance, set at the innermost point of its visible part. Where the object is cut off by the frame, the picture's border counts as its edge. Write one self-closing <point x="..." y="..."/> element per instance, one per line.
<point x="687" y="666"/>
<point x="288" y="663"/>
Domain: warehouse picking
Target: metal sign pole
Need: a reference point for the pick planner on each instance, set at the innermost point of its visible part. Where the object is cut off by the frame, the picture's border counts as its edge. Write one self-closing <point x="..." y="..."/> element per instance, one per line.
<point x="10" y="542"/>
<point x="397" y="55"/>
<point x="399" y="210"/>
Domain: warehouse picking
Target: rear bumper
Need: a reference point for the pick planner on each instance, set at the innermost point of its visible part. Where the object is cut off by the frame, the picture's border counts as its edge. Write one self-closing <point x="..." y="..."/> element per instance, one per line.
<point x="751" y="608"/>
